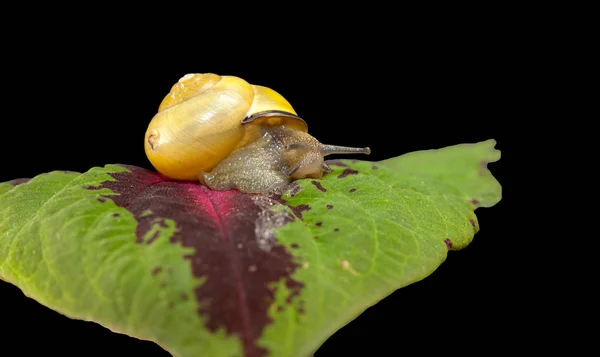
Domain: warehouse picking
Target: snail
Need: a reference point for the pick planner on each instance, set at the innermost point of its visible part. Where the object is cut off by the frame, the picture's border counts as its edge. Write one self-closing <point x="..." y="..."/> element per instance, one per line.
<point x="229" y="134"/>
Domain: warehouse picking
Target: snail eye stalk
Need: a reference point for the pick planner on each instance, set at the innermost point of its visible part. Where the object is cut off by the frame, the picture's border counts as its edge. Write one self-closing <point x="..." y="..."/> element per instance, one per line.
<point x="333" y="149"/>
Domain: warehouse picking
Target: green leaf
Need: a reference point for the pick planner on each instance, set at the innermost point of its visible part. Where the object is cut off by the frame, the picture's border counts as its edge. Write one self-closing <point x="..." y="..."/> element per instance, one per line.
<point x="222" y="273"/>
<point x="6" y="186"/>
<point x="463" y="166"/>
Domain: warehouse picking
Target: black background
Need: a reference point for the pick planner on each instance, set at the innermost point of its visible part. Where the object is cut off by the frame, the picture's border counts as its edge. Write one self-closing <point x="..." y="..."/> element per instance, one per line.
<point x="74" y="99"/>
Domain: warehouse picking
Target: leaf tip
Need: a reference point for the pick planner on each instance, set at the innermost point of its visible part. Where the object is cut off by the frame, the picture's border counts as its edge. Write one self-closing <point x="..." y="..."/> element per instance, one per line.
<point x="492" y="154"/>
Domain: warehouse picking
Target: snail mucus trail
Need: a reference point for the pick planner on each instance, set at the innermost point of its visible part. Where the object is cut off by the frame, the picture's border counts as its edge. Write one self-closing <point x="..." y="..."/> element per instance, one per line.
<point x="230" y="134"/>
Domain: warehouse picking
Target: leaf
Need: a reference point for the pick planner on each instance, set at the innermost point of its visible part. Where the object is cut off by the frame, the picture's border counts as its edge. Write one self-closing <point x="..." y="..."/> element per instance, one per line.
<point x="463" y="166"/>
<point x="221" y="273"/>
<point x="6" y="186"/>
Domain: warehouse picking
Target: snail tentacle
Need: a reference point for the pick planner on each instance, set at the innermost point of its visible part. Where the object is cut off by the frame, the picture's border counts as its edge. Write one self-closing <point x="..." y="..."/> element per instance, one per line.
<point x="326" y="167"/>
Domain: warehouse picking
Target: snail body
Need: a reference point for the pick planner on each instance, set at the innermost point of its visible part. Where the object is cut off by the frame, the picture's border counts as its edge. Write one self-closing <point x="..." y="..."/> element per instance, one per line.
<point x="230" y="134"/>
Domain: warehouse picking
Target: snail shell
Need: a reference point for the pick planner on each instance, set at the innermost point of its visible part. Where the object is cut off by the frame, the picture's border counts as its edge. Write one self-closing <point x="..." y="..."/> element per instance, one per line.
<point x="230" y="134"/>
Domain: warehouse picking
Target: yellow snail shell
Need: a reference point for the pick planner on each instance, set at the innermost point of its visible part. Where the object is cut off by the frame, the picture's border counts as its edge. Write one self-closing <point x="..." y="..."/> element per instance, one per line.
<point x="230" y="134"/>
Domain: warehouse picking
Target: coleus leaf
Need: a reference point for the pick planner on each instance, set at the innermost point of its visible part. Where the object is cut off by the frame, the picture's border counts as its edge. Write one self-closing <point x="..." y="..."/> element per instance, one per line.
<point x="222" y="273"/>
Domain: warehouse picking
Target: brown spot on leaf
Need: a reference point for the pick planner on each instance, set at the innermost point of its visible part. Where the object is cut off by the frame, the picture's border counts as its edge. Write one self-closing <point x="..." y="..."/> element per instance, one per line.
<point x="101" y="200"/>
<point x="448" y="242"/>
<point x="319" y="224"/>
<point x="156" y="270"/>
<point x="352" y="190"/>
<point x="336" y="230"/>
<point x="319" y="186"/>
<point x="474" y="202"/>
<point x="295" y="287"/>
<point x="295" y="188"/>
<point x="116" y="215"/>
<point x="347" y="172"/>
<point x="329" y="206"/>
<point x="153" y="238"/>
<point x="295" y="246"/>
<point x="171" y="305"/>
<point x="374" y="167"/>
<point x="299" y="209"/>
<point x="472" y="223"/>
<point x="17" y="182"/>
<point x="234" y="297"/>
<point x="184" y="296"/>
<point x="482" y="168"/>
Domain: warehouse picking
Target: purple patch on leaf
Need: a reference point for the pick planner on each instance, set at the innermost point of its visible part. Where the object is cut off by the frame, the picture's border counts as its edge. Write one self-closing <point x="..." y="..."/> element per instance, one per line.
<point x="233" y="297"/>
<point x="474" y="202"/>
<point x="472" y="223"/>
<point x="319" y="186"/>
